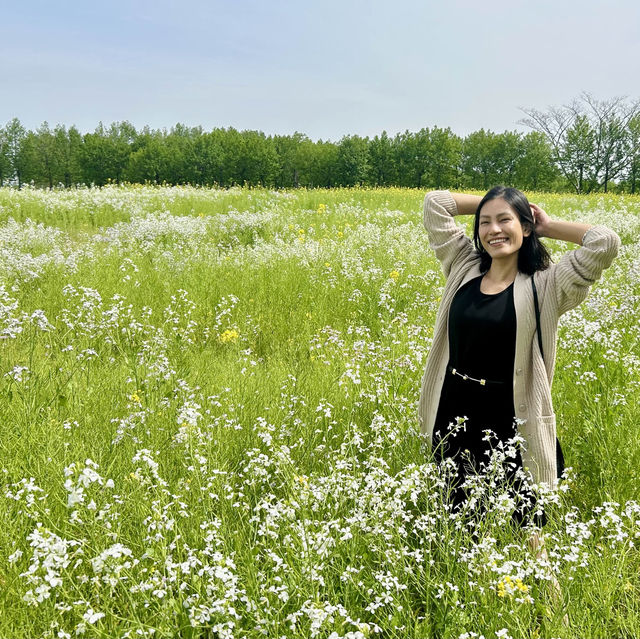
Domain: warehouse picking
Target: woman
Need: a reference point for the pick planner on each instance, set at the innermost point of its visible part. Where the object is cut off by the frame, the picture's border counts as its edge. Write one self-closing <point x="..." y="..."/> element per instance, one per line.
<point x="485" y="362"/>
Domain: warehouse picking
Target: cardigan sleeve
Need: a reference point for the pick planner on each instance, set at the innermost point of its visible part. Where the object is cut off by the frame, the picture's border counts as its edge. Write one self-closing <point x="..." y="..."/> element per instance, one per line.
<point x="447" y="239"/>
<point x="579" y="269"/>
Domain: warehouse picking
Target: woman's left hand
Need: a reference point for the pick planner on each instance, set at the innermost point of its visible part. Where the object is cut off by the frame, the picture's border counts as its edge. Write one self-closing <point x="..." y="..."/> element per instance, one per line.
<point x="540" y="218"/>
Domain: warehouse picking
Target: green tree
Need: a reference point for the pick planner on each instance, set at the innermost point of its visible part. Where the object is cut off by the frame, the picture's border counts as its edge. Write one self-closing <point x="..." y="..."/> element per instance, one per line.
<point x="105" y="153"/>
<point x="577" y="156"/>
<point x="179" y="146"/>
<point x="443" y="159"/>
<point x="382" y="166"/>
<point x="148" y="161"/>
<point x="44" y="165"/>
<point x="287" y="148"/>
<point x="317" y="162"/>
<point x="15" y="135"/>
<point x="412" y="155"/>
<point x="506" y="153"/>
<point x="352" y="160"/>
<point x="535" y="168"/>
<point x="5" y="161"/>
<point x="609" y="120"/>
<point x="260" y="162"/>
<point x="633" y="153"/>
<point x="69" y="146"/>
<point x="233" y="171"/>
<point x="477" y="159"/>
<point x="207" y="158"/>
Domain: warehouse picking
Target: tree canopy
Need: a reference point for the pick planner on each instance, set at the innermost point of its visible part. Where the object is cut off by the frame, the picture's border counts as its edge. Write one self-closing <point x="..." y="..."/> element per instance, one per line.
<point x="586" y="146"/>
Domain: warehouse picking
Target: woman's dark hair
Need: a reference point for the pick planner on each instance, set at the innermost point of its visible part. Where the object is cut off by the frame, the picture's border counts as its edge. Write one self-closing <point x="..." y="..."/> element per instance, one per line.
<point x="533" y="255"/>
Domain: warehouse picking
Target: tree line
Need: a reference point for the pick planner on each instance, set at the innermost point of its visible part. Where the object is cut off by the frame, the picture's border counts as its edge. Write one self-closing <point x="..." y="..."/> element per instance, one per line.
<point x="587" y="146"/>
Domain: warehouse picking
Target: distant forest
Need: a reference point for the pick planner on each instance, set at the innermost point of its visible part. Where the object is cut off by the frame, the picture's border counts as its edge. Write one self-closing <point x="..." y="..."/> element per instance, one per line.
<point x="585" y="147"/>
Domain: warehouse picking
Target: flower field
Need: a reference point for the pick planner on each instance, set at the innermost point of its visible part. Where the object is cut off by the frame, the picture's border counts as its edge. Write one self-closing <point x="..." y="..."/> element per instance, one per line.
<point x="208" y="404"/>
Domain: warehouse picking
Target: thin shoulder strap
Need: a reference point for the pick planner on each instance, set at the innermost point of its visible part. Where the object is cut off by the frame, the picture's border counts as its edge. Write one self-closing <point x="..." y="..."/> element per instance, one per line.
<point x="537" y="308"/>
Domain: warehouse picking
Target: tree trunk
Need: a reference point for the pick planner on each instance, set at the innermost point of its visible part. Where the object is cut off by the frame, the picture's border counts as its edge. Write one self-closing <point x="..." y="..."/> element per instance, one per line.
<point x="580" y="181"/>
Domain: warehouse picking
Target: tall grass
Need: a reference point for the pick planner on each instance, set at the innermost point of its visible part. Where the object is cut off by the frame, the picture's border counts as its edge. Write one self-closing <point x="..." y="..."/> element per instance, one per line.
<point x="208" y="408"/>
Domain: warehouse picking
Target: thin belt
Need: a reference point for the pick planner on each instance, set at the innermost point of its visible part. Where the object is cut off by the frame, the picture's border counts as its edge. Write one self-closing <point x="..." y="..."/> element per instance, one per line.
<point x="481" y="381"/>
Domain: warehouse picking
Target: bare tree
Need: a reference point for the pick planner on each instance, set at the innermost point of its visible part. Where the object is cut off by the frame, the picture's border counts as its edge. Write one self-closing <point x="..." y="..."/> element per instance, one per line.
<point x="555" y="123"/>
<point x="589" y="138"/>
<point x="610" y="120"/>
<point x="633" y="170"/>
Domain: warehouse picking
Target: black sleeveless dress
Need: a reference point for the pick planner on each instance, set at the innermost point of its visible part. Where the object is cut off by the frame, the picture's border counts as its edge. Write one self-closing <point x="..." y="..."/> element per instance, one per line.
<point x="479" y="380"/>
<point x="482" y="344"/>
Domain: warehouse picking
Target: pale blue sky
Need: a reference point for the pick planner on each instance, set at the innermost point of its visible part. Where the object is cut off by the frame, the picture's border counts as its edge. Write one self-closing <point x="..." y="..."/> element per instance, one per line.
<point x="323" y="68"/>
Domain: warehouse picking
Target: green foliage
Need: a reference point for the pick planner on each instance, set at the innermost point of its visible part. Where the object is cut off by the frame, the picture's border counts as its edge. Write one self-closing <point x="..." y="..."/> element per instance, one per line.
<point x="579" y="148"/>
<point x="352" y="161"/>
<point x="442" y="169"/>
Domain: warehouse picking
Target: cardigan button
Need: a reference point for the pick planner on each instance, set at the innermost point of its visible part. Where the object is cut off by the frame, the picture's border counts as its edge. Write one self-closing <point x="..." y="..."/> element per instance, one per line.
<point x="523" y="407"/>
<point x="519" y="371"/>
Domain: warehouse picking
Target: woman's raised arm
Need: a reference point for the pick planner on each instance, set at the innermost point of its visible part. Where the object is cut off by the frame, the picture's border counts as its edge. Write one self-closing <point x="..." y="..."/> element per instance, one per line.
<point x="558" y="229"/>
<point x="446" y="238"/>
<point x="465" y="203"/>
<point x="578" y="269"/>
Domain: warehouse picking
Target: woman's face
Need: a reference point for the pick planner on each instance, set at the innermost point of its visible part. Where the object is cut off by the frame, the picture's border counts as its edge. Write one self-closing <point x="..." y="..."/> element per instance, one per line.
<point x="499" y="229"/>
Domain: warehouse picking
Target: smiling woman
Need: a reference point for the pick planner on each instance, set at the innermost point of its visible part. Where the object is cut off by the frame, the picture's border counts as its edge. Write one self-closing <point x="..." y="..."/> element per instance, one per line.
<point x="491" y="363"/>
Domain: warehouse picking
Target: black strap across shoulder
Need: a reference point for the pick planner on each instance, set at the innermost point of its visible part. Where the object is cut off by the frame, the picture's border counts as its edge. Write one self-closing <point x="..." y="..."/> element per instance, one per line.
<point x="537" y="309"/>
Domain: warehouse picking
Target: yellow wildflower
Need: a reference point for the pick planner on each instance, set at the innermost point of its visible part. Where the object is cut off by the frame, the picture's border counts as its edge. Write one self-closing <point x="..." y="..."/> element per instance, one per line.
<point x="230" y="335"/>
<point x="394" y="275"/>
<point x="508" y="587"/>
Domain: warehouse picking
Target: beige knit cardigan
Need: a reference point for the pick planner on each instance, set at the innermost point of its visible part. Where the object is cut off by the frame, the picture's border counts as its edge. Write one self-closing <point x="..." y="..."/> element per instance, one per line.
<point x="560" y="288"/>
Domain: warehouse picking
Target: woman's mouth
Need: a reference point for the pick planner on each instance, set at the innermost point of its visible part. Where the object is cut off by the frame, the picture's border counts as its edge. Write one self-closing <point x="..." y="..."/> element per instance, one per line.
<point x="497" y="241"/>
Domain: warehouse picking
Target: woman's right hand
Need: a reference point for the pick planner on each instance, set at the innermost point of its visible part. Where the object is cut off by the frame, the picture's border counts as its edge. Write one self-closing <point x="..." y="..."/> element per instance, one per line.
<point x="541" y="220"/>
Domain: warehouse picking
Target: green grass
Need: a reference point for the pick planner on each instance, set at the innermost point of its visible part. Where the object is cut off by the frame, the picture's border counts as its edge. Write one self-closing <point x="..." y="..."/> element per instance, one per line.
<point x="214" y="434"/>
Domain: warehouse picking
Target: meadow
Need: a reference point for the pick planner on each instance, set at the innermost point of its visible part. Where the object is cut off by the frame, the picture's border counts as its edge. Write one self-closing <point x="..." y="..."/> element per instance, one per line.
<point x="208" y="404"/>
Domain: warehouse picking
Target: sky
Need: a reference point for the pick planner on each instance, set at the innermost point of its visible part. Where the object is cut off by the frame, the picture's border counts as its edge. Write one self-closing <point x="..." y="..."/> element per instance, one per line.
<point x="326" y="69"/>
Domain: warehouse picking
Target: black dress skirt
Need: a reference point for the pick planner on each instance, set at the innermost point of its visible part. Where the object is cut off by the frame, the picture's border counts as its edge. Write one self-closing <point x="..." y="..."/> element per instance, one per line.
<point x="479" y="382"/>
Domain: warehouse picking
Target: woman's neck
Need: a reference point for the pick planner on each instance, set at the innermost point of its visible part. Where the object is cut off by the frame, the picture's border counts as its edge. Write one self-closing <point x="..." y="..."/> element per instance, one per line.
<point x="503" y="271"/>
